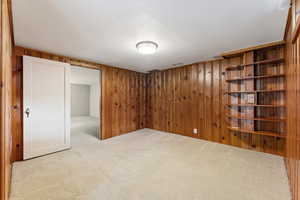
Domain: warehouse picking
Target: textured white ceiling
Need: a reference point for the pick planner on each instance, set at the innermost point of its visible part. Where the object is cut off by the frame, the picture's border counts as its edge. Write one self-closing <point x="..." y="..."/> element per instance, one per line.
<point x="106" y="31"/>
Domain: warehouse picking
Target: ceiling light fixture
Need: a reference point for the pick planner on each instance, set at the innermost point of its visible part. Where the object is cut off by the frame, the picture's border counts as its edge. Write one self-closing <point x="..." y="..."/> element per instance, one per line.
<point x="147" y="47"/>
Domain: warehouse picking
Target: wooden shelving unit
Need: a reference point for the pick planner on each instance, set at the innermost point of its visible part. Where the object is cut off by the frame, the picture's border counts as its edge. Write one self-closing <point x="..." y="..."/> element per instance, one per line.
<point x="256" y="77"/>
<point x="256" y="105"/>
<point x="265" y="133"/>
<point x="256" y="93"/>
<point x="258" y="119"/>
<point x="269" y="61"/>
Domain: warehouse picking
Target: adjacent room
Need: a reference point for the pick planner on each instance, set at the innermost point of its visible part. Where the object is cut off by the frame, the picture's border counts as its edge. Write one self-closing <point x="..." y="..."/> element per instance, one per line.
<point x="149" y="100"/>
<point x="85" y="103"/>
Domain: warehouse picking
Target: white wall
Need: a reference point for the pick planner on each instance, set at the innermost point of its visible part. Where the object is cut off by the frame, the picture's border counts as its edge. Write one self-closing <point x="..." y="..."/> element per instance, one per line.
<point x="80" y="100"/>
<point x="94" y="100"/>
<point x="91" y="77"/>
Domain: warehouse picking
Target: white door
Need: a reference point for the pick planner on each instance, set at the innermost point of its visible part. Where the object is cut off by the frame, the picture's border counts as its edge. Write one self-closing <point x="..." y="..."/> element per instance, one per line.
<point x="46" y="95"/>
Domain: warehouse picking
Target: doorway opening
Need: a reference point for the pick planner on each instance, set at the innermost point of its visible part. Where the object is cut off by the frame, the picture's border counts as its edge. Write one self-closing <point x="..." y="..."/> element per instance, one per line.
<point x="85" y="105"/>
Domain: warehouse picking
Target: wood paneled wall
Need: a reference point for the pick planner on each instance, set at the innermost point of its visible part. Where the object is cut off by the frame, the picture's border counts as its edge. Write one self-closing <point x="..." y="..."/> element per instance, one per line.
<point x="17" y="108"/>
<point x="178" y="100"/>
<point x="293" y="100"/>
<point x="193" y="97"/>
<point x="6" y="51"/>
<point x="122" y="102"/>
<point x="189" y="97"/>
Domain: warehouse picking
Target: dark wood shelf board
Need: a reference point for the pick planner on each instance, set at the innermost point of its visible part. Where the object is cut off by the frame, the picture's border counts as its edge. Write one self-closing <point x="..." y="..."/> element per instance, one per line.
<point x="257" y="118"/>
<point x="269" y="61"/>
<point x="256" y="91"/>
<point x="256" y="77"/>
<point x="265" y="133"/>
<point x="255" y="105"/>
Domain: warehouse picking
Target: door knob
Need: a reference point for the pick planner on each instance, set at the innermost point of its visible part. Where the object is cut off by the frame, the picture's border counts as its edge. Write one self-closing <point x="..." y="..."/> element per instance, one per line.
<point x="27" y="112"/>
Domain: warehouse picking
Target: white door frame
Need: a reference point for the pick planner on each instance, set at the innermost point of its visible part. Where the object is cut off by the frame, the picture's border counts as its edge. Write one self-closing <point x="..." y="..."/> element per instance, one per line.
<point x="27" y="60"/>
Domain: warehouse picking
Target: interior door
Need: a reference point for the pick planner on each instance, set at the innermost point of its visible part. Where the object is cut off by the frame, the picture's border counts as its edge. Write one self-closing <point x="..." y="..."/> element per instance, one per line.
<point x="46" y="95"/>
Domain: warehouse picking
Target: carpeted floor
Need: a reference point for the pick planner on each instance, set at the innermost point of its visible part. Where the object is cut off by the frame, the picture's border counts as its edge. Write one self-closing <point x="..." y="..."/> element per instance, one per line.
<point x="149" y="165"/>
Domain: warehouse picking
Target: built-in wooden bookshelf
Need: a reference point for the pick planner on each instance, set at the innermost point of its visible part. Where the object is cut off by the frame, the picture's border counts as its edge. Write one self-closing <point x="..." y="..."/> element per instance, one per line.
<point x="256" y="105"/>
<point x="258" y="119"/>
<point x="256" y="77"/>
<point x="269" y="61"/>
<point x="256" y="93"/>
<point x="266" y="133"/>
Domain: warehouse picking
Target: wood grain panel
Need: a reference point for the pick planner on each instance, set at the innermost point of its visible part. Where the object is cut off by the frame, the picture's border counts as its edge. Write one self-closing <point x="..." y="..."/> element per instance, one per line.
<point x="122" y="101"/>
<point x="193" y="97"/>
<point x="216" y="102"/>
<point x="6" y="51"/>
<point x="17" y="104"/>
<point x="175" y="100"/>
<point x="293" y="107"/>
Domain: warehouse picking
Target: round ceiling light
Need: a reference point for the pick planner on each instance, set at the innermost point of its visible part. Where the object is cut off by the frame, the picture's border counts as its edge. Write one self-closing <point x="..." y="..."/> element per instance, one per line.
<point x="146" y="47"/>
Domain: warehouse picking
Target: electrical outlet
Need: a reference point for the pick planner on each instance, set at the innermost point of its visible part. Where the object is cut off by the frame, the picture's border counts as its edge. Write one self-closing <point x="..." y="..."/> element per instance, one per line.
<point x="195" y="131"/>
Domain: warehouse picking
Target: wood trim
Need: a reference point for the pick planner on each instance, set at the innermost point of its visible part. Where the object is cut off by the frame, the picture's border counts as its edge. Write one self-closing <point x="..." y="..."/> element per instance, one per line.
<point x="296" y="32"/>
<point x="262" y="46"/>
<point x="288" y="24"/>
<point x="186" y="65"/>
<point x="10" y="15"/>
<point x="293" y="98"/>
<point x="19" y="51"/>
<point x="6" y="51"/>
<point x="3" y="191"/>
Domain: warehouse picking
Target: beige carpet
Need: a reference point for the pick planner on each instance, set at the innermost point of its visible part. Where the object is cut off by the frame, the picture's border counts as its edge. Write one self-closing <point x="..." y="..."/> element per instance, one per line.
<point x="150" y="165"/>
